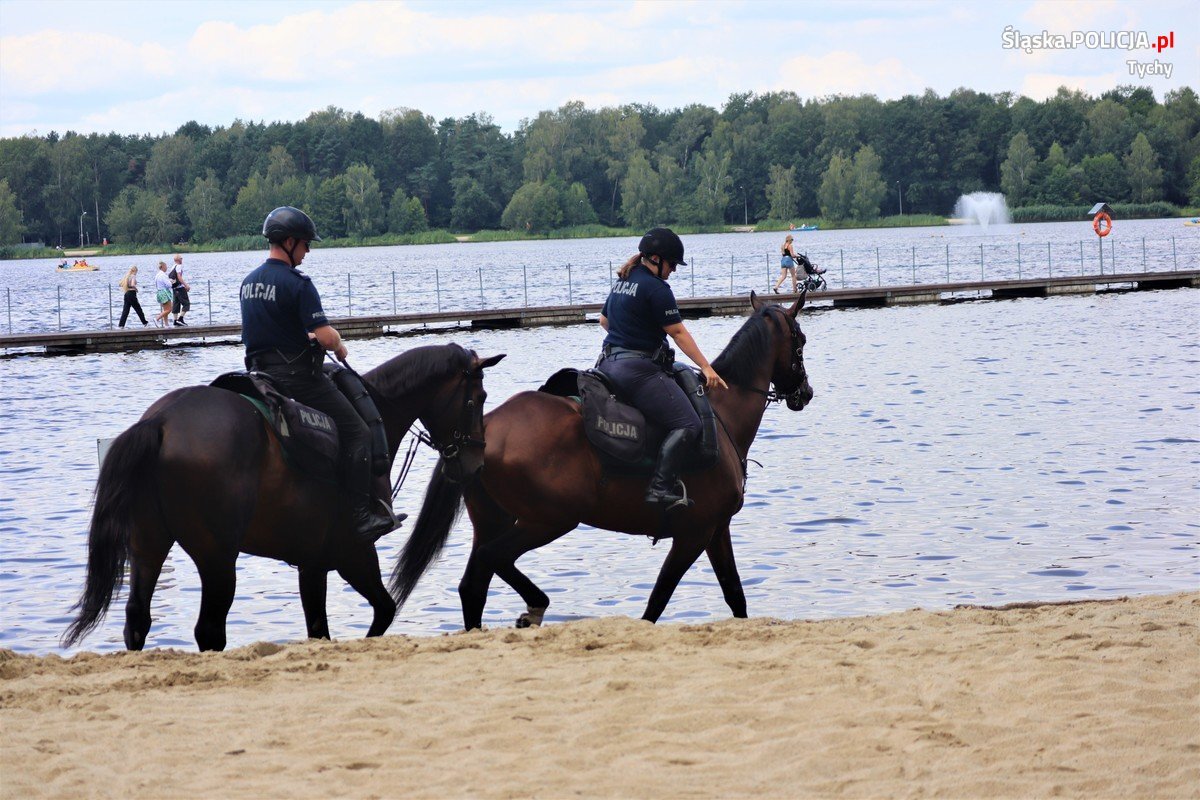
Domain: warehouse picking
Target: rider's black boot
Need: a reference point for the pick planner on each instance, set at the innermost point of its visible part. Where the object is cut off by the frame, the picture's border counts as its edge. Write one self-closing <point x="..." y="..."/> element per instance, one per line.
<point x="676" y="449"/>
<point x="372" y="518"/>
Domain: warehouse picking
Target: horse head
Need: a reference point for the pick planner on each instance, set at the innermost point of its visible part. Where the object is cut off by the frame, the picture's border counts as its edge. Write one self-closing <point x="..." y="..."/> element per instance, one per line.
<point x="456" y="424"/>
<point x="788" y="375"/>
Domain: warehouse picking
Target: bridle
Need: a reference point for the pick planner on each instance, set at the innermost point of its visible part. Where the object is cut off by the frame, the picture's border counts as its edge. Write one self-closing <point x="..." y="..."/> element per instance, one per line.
<point x="792" y="396"/>
<point x="460" y="437"/>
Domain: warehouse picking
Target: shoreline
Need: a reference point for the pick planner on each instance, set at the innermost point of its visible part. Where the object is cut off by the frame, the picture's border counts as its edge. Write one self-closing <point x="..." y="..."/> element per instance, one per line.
<point x="1084" y="699"/>
<point x="488" y="236"/>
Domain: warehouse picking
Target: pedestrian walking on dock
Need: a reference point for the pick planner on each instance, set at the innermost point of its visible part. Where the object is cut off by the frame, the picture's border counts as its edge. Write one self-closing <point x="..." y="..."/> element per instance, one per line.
<point x="179" y="291"/>
<point x="162" y="293"/>
<point x="787" y="265"/>
<point x="129" y="285"/>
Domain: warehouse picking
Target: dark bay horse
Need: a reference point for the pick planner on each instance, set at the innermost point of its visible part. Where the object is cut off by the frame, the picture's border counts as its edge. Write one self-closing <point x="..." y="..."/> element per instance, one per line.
<point x="541" y="479"/>
<point x="204" y="470"/>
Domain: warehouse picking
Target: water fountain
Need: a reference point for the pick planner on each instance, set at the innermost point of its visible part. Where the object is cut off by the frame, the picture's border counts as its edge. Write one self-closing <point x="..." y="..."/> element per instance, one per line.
<point x="981" y="208"/>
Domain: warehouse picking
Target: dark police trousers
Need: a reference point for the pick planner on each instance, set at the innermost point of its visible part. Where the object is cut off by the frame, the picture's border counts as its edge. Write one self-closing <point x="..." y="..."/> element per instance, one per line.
<point x="298" y="381"/>
<point x="654" y="392"/>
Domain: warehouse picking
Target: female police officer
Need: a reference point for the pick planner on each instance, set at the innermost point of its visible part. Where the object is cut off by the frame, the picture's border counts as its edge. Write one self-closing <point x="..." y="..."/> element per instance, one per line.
<point x="286" y="335"/>
<point x="638" y="315"/>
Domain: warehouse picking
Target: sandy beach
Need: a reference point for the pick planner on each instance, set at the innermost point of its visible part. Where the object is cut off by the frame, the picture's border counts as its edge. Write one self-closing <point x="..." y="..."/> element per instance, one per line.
<point x="1093" y="699"/>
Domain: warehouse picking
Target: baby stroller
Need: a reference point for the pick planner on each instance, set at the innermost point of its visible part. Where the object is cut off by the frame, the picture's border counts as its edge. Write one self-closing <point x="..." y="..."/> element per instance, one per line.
<point x="814" y="278"/>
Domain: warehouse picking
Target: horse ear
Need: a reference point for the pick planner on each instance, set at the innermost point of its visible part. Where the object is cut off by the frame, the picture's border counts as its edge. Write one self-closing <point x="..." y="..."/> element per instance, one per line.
<point x="484" y="363"/>
<point x="755" y="303"/>
<point x="799" y="304"/>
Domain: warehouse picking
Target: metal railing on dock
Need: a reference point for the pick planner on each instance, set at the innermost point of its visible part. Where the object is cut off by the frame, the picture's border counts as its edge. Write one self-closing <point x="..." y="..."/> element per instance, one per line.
<point x="522" y="316"/>
<point x="92" y="306"/>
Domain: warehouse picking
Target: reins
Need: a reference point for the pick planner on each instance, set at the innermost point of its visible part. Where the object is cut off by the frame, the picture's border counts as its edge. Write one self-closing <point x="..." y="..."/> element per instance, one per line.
<point x="450" y="451"/>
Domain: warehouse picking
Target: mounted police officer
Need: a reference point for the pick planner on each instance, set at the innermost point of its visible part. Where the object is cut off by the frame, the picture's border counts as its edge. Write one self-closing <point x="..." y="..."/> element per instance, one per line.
<point x="286" y="334"/>
<point x="639" y="314"/>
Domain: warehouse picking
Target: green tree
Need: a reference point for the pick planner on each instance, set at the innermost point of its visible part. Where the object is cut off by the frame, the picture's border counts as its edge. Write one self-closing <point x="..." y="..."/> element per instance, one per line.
<point x="641" y="193"/>
<point x="713" y="181"/>
<point x="535" y="207"/>
<point x="168" y="167"/>
<point x="406" y="214"/>
<point x="1017" y="171"/>
<point x="1109" y="129"/>
<point x="364" y="201"/>
<point x="281" y="167"/>
<point x="1142" y="172"/>
<point x="328" y="205"/>
<point x="65" y="193"/>
<point x="781" y="192"/>
<point x="12" y="223"/>
<point x="869" y="188"/>
<point x="553" y="142"/>
<point x="1054" y="157"/>
<point x="1103" y="180"/>
<point x="576" y="208"/>
<point x="143" y="217"/>
<point x="1194" y="182"/>
<point x="836" y="193"/>
<point x="623" y="141"/>
<point x="473" y="209"/>
<point x="253" y="203"/>
<point x="1061" y="186"/>
<point x="205" y="209"/>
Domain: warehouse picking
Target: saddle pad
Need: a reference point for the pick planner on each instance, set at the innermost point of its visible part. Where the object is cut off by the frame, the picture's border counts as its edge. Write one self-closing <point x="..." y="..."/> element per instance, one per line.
<point x="309" y="437"/>
<point x="621" y="435"/>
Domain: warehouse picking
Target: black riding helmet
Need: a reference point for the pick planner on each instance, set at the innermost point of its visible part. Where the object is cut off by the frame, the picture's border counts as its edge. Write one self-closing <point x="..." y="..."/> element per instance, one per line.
<point x="287" y="222"/>
<point x="664" y="243"/>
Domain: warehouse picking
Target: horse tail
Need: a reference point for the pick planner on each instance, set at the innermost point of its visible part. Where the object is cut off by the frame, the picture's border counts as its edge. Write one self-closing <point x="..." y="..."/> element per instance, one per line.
<point x="443" y="503"/>
<point x="127" y="469"/>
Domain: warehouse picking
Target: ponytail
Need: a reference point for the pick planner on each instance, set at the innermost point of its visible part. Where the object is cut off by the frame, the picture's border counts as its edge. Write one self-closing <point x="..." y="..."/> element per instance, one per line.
<point x="627" y="267"/>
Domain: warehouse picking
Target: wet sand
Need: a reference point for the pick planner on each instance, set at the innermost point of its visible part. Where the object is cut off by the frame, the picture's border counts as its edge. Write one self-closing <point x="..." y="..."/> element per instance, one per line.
<point x="1094" y="699"/>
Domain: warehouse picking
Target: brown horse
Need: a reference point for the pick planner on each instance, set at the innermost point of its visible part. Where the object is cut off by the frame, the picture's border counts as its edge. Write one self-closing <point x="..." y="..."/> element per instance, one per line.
<point x="541" y="479"/>
<point x="202" y="468"/>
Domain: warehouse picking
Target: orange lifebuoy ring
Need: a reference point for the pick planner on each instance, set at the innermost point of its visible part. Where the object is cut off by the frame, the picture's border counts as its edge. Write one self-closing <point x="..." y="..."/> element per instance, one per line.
<point x="1106" y="228"/>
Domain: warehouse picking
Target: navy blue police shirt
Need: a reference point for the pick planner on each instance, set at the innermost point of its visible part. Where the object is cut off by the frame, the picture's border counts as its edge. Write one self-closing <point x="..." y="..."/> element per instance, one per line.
<point x="638" y="309"/>
<point x="280" y="306"/>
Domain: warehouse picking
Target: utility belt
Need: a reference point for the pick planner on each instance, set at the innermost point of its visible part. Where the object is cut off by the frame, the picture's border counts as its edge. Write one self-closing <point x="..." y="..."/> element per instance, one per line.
<point x="663" y="356"/>
<point x="307" y="363"/>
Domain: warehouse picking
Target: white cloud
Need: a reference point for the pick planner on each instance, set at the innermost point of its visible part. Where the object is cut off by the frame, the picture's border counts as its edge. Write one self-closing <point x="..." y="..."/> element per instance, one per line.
<point x="359" y="41"/>
<point x="843" y="72"/>
<point x="1064" y="16"/>
<point x="167" y="111"/>
<point x="513" y="60"/>
<point x="53" y="62"/>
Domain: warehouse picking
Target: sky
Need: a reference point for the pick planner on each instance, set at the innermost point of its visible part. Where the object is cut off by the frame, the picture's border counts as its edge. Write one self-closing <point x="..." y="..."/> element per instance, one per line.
<point x="149" y="67"/>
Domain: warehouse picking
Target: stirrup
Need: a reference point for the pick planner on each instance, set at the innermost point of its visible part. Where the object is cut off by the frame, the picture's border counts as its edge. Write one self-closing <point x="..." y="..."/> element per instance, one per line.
<point x="671" y="502"/>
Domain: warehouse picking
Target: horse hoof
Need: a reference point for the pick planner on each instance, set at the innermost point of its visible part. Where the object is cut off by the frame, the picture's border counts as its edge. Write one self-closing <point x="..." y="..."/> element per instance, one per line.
<point x="532" y="618"/>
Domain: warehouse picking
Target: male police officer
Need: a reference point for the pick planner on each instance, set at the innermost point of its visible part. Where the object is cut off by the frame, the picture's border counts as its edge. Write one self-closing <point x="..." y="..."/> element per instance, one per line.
<point x="286" y="335"/>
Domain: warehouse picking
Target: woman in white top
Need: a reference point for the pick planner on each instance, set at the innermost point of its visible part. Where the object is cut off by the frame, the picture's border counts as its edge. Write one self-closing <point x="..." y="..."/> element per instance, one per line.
<point x="162" y="293"/>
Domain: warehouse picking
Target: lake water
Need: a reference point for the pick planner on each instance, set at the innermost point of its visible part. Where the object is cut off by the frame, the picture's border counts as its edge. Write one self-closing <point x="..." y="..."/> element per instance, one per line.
<point x="384" y="280"/>
<point x="984" y="452"/>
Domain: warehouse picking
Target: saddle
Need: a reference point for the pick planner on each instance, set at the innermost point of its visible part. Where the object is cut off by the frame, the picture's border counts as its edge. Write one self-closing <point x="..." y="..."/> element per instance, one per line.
<point x="309" y="437"/>
<point x="625" y="441"/>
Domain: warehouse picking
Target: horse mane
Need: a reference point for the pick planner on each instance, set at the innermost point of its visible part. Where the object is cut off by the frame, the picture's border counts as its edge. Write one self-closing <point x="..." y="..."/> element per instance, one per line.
<point x="413" y="369"/>
<point x="740" y="359"/>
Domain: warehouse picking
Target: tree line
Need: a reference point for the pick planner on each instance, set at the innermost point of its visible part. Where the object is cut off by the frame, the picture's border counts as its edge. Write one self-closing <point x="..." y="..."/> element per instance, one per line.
<point x="762" y="156"/>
